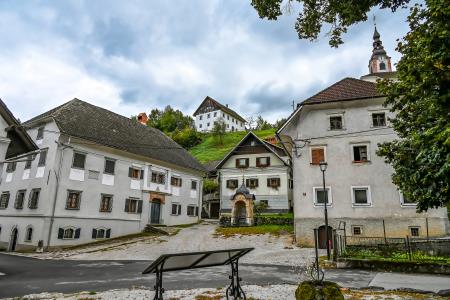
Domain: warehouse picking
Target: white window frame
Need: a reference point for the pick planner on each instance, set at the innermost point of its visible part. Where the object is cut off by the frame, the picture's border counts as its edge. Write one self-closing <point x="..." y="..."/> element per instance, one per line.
<point x="64" y="233"/>
<point x="330" y="115"/>
<point x="312" y="147"/>
<point x="330" y="197"/>
<point x="104" y="233"/>
<point x="195" y="210"/>
<point x="402" y="201"/>
<point x="352" y="157"/>
<point x="369" y="195"/>
<point x="178" y="213"/>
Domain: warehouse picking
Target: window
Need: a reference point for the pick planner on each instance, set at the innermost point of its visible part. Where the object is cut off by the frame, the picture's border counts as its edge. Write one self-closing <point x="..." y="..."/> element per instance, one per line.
<point x="42" y="158"/>
<point x="242" y="162"/>
<point x="414" y="231"/>
<point x="200" y="126"/>
<point x="4" y="199"/>
<point x="264" y="202"/>
<point x="192" y="210"/>
<point x="34" y="198"/>
<point x="101" y="233"/>
<point x="106" y="203"/>
<point x="317" y="155"/>
<point x="176" y="209"/>
<point x="251" y="183"/>
<point x="40" y="133"/>
<point x="232" y="183"/>
<point x="336" y="122"/>
<point x="273" y="182"/>
<point x="360" y="153"/>
<point x="158" y="177"/>
<point x="320" y="195"/>
<point x="382" y="66"/>
<point x="200" y="118"/>
<point x="10" y="167"/>
<point x="175" y="181"/>
<point x="79" y="160"/>
<point x="207" y="125"/>
<point x="262" y="162"/>
<point x="29" y="234"/>
<point x="208" y="116"/>
<point x="357" y="230"/>
<point x="69" y="233"/>
<point x="228" y="117"/>
<point x="407" y="201"/>
<point x="73" y="200"/>
<point x="378" y="119"/>
<point x="361" y="196"/>
<point x="28" y="162"/>
<point x="135" y="173"/>
<point x="20" y="197"/>
<point x="133" y="205"/>
<point x="110" y="165"/>
<point x="193" y="185"/>
<point x="215" y="114"/>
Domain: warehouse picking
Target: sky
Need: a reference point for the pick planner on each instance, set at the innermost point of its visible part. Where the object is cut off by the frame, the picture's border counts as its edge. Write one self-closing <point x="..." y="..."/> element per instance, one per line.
<point x="135" y="55"/>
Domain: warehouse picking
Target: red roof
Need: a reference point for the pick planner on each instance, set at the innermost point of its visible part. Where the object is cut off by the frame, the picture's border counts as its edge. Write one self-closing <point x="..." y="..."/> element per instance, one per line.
<point x="345" y="89"/>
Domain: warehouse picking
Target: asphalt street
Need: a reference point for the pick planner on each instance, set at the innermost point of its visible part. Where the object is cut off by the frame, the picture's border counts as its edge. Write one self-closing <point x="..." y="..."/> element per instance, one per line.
<point x="23" y="276"/>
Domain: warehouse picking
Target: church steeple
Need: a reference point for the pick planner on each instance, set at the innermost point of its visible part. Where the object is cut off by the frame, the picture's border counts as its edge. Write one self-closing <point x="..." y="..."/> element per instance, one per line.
<point x="379" y="61"/>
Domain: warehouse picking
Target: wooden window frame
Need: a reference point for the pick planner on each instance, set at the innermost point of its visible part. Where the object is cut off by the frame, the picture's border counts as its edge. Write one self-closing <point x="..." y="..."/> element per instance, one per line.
<point x="238" y="163"/>
<point x="177" y="207"/>
<point x="77" y="201"/>
<point x="110" y="203"/>
<point x="31" y="200"/>
<point x="332" y="124"/>
<point x="260" y="165"/>
<point x="355" y="228"/>
<point x="311" y="149"/>
<point x="135" y="173"/>
<point x="231" y="186"/>
<point x="158" y="177"/>
<point x="195" y="210"/>
<point x="4" y="202"/>
<point x="411" y="228"/>
<point x="137" y="206"/>
<point x="252" y="183"/>
<point x="176" y="181"/>
<point x="367" y="153"/>
<point x="19" y="192"/>
<point x="271" y="180"/>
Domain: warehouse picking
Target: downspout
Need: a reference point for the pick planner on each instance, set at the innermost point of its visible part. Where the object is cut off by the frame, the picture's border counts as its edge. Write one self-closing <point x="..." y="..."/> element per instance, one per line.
<point x="57" y="176"/>
<point x="200" y="199"/>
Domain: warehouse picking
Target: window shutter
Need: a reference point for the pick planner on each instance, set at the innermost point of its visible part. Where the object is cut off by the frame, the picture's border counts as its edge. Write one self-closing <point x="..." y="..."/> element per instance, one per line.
<point x="108" y="233"/>
<point x="60" y="233"/>
<point x="247" y="160"/>
<point x="139" y="206"/>
<point x="268" y="161"/>
<point x="179" y="209"/>
<point x="256" y="182"/>
<point x="110" y="204"/>
<point x="77" y="233"/>
<point x="127" y="205"/>
<point x="247" y="182"/>
<point x="258" y="162"/>
<point x="130" y="171"/>
<point x="196" y="211"/>
<point x="237" y="163"/>
<point x="180" y="182"/>
<point x="142" y="174"/>
<point x="94" y="233"/>
<point x="268" y="182"/>
<point x="317" y="155"/>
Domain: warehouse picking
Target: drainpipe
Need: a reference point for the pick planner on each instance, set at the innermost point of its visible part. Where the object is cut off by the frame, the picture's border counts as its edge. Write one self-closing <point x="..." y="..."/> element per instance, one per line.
<point x="57" y="176"/>
<point x="200" y="199"/>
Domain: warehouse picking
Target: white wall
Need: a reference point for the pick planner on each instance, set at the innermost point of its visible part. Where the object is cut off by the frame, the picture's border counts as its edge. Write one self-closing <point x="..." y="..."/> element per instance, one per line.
<point x="202" y="121"/>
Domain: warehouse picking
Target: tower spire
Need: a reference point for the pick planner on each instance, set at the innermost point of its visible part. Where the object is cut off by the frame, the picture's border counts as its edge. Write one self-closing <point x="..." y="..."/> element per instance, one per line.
<point x="379" y="61"/>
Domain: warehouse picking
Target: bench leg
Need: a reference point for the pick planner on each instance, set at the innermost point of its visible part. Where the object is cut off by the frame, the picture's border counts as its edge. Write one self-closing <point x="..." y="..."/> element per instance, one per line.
<point x="159" y="290"/>
<point x="235" y="289"/>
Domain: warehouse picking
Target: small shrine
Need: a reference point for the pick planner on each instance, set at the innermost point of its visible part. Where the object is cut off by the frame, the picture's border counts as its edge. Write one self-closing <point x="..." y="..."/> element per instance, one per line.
<point x="242" y="207"/>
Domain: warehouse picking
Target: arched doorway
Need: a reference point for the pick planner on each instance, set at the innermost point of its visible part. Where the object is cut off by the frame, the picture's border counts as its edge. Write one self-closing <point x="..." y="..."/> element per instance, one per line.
<point x="13" y="239"/>
<point x="155" y="212"/>
<point x="240" y="213"/>
<point x="323" y="237"/>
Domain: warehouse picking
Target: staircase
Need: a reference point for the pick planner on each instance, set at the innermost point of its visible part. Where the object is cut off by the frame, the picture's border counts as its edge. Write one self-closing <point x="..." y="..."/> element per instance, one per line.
<point x="157" y="230"/>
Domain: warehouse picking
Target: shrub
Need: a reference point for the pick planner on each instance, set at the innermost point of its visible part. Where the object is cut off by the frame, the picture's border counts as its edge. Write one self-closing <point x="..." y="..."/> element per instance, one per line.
<point x="316" y="290"/>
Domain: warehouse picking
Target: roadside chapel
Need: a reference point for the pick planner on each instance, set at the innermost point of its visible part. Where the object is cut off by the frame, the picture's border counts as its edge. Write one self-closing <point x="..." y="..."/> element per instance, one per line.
<point x="242" y="207"/>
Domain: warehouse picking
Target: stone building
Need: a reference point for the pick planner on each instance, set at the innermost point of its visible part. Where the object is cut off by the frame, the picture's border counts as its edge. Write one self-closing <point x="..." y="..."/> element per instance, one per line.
<point x="211" y="111"/>
<point x="98" y="175"/>
<point x="343" y="125"/>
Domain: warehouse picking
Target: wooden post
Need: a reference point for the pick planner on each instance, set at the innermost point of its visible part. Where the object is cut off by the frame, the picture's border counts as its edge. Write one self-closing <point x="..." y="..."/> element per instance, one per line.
<point x="426" y="222"/>
<point x="384" y="232"/>
<point x="408" y="247"/>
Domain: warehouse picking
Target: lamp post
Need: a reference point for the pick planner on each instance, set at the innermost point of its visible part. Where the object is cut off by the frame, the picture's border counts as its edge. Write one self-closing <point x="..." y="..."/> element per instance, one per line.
<point x="323" y="167"/>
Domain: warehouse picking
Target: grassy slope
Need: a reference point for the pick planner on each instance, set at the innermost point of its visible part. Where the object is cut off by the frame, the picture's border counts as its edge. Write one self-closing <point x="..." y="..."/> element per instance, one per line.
<point x="210" y="150"/>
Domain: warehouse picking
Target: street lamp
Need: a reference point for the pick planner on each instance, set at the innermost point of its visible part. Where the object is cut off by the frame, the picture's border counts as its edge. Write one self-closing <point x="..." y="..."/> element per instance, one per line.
<point x="323" y="167"/>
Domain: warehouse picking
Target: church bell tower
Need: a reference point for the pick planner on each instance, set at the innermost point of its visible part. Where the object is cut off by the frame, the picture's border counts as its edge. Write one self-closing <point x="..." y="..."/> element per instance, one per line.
<point x="379" y="61"/>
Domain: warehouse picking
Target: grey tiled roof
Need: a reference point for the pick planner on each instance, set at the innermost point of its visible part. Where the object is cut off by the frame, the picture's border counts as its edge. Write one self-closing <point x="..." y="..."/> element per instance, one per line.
<point x="95" y="124"/>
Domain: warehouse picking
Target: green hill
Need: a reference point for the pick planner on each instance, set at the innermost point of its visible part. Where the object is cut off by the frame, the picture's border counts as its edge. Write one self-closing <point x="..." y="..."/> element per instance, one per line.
<point x="210" y="150"/>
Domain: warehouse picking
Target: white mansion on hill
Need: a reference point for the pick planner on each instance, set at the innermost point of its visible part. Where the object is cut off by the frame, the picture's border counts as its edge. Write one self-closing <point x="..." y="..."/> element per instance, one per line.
<point x="211" y="111"/>
<point x="343" y="125"/>
<point x="98" y="175"/>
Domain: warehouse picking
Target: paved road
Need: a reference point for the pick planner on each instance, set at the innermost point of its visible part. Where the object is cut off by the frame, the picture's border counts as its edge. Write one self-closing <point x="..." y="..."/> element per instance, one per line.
<point x="25" y="275"/>
<point x="22" y="275"/>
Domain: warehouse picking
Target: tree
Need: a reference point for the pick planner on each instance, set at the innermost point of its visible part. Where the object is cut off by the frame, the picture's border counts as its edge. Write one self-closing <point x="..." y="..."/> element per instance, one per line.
<point x="419" y="96"/>
<point x="187" y="138"/>
<point x="421" y="99"/>
<point x="262" y="124"/>
<point x="219" y="130"/>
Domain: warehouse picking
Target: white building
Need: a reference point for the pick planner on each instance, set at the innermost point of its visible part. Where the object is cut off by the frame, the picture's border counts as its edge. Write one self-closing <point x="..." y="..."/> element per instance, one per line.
<point x="211" y="111"/>
<point x="98" y="175"/>
<point x="263" y="168"/>
<point x="343" y="125"/>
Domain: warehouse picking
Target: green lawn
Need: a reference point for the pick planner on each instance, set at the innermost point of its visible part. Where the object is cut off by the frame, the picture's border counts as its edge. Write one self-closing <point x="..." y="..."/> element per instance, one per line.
<point x="250" y="230"/>
<point x="210" y="150"/>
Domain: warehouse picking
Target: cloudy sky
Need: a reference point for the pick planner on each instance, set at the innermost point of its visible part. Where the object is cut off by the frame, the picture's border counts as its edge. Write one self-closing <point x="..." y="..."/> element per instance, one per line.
<point x="132" y="56"/>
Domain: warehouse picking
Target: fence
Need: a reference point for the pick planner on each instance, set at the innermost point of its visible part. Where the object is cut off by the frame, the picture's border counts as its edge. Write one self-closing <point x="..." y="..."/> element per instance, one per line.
<point x="395" y="249"/>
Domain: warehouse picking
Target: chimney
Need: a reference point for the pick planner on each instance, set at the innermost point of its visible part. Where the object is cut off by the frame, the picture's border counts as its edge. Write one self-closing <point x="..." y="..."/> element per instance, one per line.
<point x="142" y="118"/>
